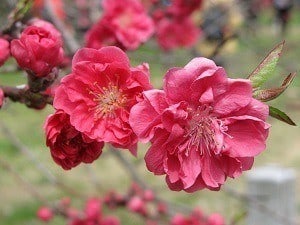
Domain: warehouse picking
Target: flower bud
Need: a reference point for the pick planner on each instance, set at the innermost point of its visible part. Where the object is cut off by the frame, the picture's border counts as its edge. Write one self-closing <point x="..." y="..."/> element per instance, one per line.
<point x="136" y="204"/>
<point x="4" y="51"/>
<point x="215" y="219"/>
<point x="45" y="214"/>
<point x="38" y="50"/>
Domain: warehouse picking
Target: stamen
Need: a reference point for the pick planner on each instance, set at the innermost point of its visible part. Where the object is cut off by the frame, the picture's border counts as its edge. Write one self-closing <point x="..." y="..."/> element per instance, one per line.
<point x="107" y="100"/>
<point x="201" y="132"/>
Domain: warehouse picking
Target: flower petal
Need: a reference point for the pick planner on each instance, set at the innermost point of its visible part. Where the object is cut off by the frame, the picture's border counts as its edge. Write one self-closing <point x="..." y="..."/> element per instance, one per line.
<point x="237" y="96"/>
<point x="145" y="116"/>
<point x="246" y="136"/>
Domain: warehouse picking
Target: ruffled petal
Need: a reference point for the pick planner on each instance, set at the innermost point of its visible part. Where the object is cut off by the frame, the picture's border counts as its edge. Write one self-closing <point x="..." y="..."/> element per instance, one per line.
<point x="237" y="96"/>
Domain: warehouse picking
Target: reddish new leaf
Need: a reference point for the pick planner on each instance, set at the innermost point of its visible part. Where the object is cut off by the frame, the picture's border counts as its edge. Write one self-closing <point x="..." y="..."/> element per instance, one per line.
<point x="265" y="69"/>
<point x="272" y="93"/>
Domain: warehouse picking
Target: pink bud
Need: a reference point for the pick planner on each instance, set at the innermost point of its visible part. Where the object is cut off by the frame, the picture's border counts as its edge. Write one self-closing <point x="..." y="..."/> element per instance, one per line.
<point x="4" y="51"/>
<point x="162" y="208"/>
<point x="93" y="208"/>
<point x="136" y="204"/>
<point x="45" y="214"/>
<point x="72" y="213"/>
<point x="65" y="202"/>
<point x="30" y="49"/>
<point x="148" y="195"/>
<point x="215" y="219"/>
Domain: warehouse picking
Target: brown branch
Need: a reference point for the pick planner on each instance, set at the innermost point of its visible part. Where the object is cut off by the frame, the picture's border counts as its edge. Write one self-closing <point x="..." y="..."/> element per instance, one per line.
<point x="70" y="41"/>
<point x="24" y="95"/>
<point x="6" y="166"/>
<point x="127" y="165"/>
<point x="221" y="44"/>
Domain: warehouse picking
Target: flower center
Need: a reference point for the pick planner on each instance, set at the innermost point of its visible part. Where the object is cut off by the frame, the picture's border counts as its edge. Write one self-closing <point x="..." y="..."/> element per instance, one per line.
<point x="201" y="134"/>
<point x="125" y="20"/>
<point x="108" y="100"/>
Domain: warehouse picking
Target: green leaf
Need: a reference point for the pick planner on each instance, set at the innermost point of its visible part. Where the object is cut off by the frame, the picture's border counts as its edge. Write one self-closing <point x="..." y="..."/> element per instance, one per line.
<point x="272" y="93"/>
<point x="265" y="69"/>
<point x="20" y="10"/>
<point x="278" y="114"/>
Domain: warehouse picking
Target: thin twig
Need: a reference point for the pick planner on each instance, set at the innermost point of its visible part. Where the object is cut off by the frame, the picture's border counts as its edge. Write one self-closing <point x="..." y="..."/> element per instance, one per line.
<point x="6" y="166"/>
<point x="93" y="177"/>
<point x="24" y="150"/>
<point x="221" y="44"/>
<point x="127" y="165"/>
<point x="70" y="41"/>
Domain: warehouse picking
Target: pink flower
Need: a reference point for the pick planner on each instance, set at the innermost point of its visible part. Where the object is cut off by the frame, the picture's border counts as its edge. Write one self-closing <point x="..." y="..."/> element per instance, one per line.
<point x="38" y="50"/>
<point x="99" y="94"/>
<point x="1" y="97"/>
<point x="179" y="219"/>
<point x="45" y="214"/>
<point x="93" y="209"/>
<point x="204" y="127"/>
<point x="101" y="35"/>
<point x="47" y="26"/>
<point x="215" y="219"/>
<point x="175" y="33"/>
<point x="131" y="25"/>
<point x="93" y="215"/>
<point x="68" y="146"/>
<point x="183" y="8"/>
<point x="4" y="51"/>
<point x="137" y="204"/>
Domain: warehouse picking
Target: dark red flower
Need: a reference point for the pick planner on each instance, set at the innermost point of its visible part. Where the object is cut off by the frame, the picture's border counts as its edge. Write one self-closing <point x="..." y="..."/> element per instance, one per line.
<point x="68" y="146"/>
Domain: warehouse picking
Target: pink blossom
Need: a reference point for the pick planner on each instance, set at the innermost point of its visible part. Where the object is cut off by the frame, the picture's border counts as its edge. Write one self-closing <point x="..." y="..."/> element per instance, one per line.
<point x="68" y="146"/>
<point x="148" y="195"/>
<point x="1" y="97"/>
<point x="215" y="219"/>
<point x="175" y="33"/>
<point x="45" y="214"/>
<point x="4" y="51"/>
<point x="136" y="204"/>
<point x="100" y="35"/>
<point x="38" y="50"/>
<point x="47" y="26"/>
<point x="127" y="21"/>
<point x="204" y="127"/>
<point x="179" y="219"/>
<point x="93" y="209"/>
<point x="183" y="8"/>
<point x="93" y="215"/>
<point x="99" y="94"/>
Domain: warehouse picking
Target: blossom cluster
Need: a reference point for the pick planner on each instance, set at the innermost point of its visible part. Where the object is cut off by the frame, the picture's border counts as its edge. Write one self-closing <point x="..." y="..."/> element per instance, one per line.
<point x="200" y="125"/>
<point x="203" y="126"/>
<point x="128" y="27"/>
<point x="138" y="201"/>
